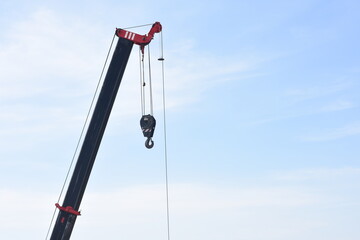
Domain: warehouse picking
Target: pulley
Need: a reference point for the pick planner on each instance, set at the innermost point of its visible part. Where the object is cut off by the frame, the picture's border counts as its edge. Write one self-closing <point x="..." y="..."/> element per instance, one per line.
<point x="147" y="124"/>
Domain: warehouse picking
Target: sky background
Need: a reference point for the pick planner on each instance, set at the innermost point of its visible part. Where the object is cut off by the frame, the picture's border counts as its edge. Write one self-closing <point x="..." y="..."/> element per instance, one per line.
<point x="262" y="117"/>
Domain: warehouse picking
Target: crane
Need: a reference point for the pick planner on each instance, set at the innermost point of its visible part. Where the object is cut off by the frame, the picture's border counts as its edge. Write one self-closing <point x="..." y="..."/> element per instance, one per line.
<point x="69" y="210"/>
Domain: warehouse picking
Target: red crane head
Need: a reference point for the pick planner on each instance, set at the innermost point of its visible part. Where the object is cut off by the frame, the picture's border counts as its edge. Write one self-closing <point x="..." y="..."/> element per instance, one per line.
<point x="138" y="39"/>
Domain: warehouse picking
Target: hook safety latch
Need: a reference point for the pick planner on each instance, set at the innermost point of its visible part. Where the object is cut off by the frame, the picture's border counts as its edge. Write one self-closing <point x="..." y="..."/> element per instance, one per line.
<point x="147" y="124"/>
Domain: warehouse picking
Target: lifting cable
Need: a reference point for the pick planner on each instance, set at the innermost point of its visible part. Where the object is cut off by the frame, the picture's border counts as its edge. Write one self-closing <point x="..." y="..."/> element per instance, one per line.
<point x="143" y="112"/>
<point x="143" y="84"/>
<point x="142" y="93"/>
<point x="150" y="86"/>
<point x="161" y="58"/>
<point x="144" y="25"/>
<point x="81" y="134"/>
<point x="147" y="121"/>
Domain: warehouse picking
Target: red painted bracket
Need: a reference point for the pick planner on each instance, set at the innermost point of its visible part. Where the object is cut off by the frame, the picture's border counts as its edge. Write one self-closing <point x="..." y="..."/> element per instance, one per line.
<point x="67" y="209"/>
<point x="138" y="39"/>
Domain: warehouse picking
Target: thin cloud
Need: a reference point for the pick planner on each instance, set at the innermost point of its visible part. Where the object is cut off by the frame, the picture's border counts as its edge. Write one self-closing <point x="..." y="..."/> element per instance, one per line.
<point x="318" y="174"/>
<point x="316" y="91"/>
<point x="333" y="134"/>
<point x="140" y="206"/>
<point x="338" y="106"/>
<point x="50" y="71"/>
<point x="291" y="107"/>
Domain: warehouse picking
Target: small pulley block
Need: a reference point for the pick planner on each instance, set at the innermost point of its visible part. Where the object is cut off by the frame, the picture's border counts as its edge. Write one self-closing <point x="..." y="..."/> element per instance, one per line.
<point x="147" y="124"/>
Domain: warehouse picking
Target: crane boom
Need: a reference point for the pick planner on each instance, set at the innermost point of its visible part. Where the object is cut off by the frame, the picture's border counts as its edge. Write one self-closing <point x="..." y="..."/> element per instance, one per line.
<point x="69" y="211"/>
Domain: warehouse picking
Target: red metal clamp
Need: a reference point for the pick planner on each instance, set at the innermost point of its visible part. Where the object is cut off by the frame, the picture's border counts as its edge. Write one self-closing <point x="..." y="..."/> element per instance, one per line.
<point x="67" y="209"/>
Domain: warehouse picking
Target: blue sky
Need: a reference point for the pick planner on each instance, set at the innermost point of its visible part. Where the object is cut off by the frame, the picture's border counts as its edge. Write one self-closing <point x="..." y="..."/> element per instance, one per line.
<point x="263" y="121"/>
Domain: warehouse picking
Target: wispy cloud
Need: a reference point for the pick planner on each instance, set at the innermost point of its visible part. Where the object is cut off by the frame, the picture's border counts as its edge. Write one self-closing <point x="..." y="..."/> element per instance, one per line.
<point x="324" y="99"/>
<point x="338" y="106"/>
<point x="45" y="51"/>
<point x="144" y="206"/>
<point x="46" y="65"/>
<point x="333" y="134"/>
<point x="321" y="174"/>
<point x="188" y="79"/>
<point x="312" y="111"/>
<point x="25" y="204"/>
<point x="301" y="94"/>
<point x="48" y="58"/>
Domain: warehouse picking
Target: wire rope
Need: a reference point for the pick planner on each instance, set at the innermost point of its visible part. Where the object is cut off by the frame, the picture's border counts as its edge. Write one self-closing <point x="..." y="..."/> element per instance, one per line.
<point x="144" y="25"/>
<point x="142" y="83"/>
<point x="165" y="137"/>
<point x="143" y="86"/>
<point x="166" y="161"/>
<point x="81" y="134"/>
<point x="150" y="86"/>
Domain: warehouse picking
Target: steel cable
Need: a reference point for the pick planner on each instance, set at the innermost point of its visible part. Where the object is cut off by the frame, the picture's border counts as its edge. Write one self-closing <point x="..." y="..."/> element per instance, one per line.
<point x="165" y="136"/>
<point x="81" y="134"/>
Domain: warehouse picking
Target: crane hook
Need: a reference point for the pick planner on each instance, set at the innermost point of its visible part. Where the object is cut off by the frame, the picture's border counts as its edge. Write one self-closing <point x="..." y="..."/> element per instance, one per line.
<point x="147" y="123"/>
<point x="149" y="143"/>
